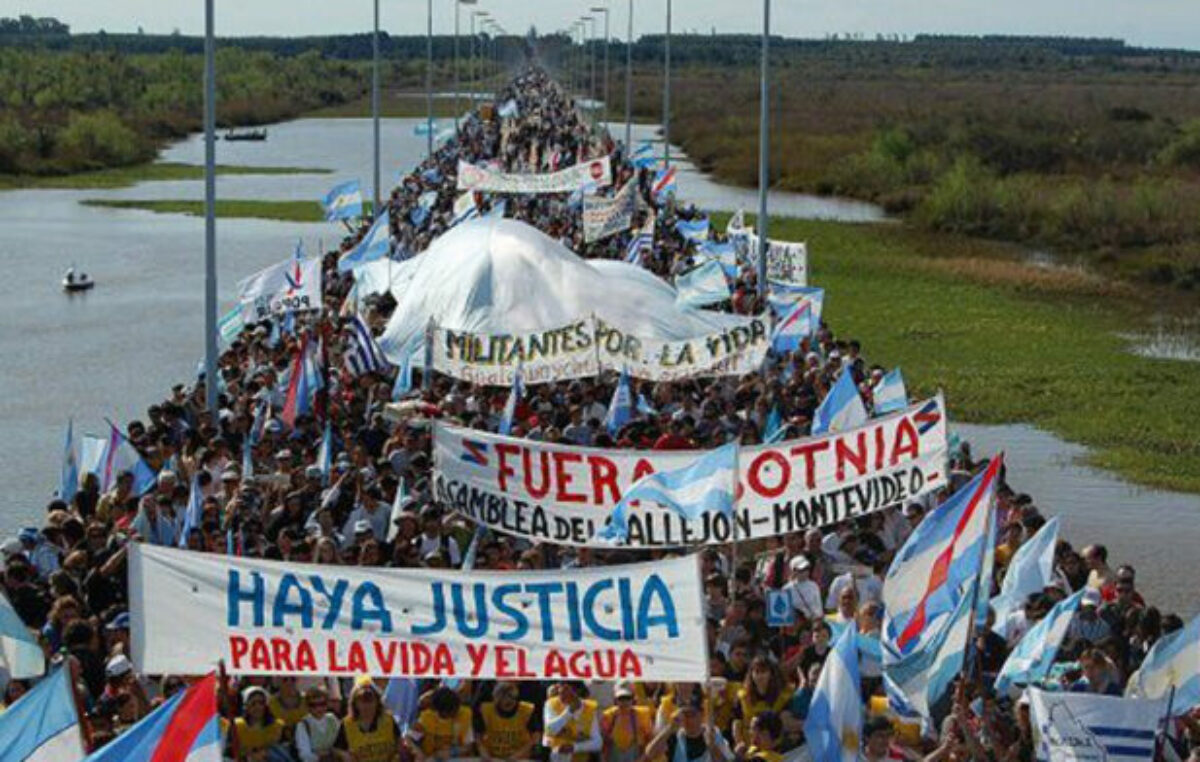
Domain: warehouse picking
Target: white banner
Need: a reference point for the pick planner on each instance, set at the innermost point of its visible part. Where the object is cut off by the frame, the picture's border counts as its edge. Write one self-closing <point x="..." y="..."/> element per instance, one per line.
<point x="603" y="216"/>
<point x="787" y="261"/>
<point x="561" y="494"/>
<point x="543" y="356"/>
<point x="293" y="285"/>
<point x="596" y="172"/>
<point x="1086" y="727"/>
<point x="636" y="622"/>
<point x="731" y="352"/>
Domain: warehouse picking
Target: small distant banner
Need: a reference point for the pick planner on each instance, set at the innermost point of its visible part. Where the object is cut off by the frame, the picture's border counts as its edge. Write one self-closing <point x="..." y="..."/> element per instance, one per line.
<point x="543" y="356"/>
<point x="293" y="285"/>
<point x="732" y="351"/>
<point x="787" y="261"/>
<point x="604" y="216"/>
<point x="555" y="493"/>
<point x="596" y="173"/>
<point x="191" y="611"/>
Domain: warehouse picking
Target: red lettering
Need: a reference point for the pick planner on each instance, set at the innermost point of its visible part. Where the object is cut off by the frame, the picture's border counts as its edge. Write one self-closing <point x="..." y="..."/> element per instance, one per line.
<point x="503" y="469"/>
<point x="238" y="646"/>
<point x="555" y="665"/>
<point x="540" y="491"/>
<point x="843" y="455"/>
<point x="306" y="660"/>
<point x="422" y="659"/>
<point x="879" y="448"/>
<point x="523" y="664"/>
<point x="333" y="657"/>
<point x="760" y="462"/>
<point x="281" y="652"/>
<point x="808" y="451"/>
<point x="478" y="654"/>
<point x="580" y="667"/>
<point x="502" y="665"/>
<point x="641" y="468"/>
<point x="630" y="665"/>
<point x="604" y="476"/>
<point x="907" y="441"/>
<point x="563" y="478"/>
<point x="260" y="655"/>
<point x="606" y="664"/>
<point x="443" y="662"/>
<point x="385" y="655"/>
<point x="356" y="661"/>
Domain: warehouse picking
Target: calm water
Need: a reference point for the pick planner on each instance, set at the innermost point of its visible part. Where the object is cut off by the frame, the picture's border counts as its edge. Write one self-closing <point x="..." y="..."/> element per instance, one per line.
<point x="118" y="349"/>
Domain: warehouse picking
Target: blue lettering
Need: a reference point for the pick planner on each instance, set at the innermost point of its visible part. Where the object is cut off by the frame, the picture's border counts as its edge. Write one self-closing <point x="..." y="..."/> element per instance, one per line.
<point x="235" y="596"/>
<point x="520" y="621"/>
<point x="589" y="611"/>
<point x="439" y="614"/>
<point x="573" y="611"/>
<point x="284" y="607"/>
<point x="460" y="614"/>
<point x="625" y="595"/>
<point x="544" y="590"/>
<point x="369" y="593"/>
<point x="656" y="589"/>
<point x="333" y="599"/>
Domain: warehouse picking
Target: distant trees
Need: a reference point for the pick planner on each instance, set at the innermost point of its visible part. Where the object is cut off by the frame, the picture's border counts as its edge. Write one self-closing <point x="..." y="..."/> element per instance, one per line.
<point x="29" y="26"/>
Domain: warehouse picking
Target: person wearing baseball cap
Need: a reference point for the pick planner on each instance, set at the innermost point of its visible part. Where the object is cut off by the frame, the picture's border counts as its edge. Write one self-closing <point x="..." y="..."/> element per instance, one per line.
<point x="626" y="727"/>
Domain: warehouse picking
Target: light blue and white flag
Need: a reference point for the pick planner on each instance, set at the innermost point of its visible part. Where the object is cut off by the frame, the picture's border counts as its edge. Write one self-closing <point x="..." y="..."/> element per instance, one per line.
<point x="643" y="405"/>
<point x="69" y="478"/>
<point x="376" y="244"/>
<point x="343" y="202"/>
<point x="510" y="407"/>
<point x="508" y="109"/>
<point x="921" y="680"/>
<point x="472" y="553"/>
<point x="695" y="231"/>
<point x="404" y="380"/>
<point x="705" y="486"/>
<point x="799" y="317"/>
<point x="702" y="286"/>
<point x="723" y="252"/>
<point x="1082" y="727"/>
<point x="21" y="656"/>
<point x="193" y="514"/>
<point x="1173" y="662"/>
<point x="424" y="128"/>
<point x="325" y="454"/>
<point x="420" y="213"/>
<point x="402" y="698"/>
<point x="620" y="407"/>
<point x="889" y="394"/>
<point x="91" y="454"/>
<point x="119" y="455"/>
<point x="43" y="725"/>
<point x="1030" y="571"/>
<point x="247" y="459"/>
<point x="644" y="156"/>
<point x="842" y="408"/>
<point x="833" y="728"/>
<point x="464" y="208"/>
<point x="1030" y="661"/>
<point x="230" y="325"/>
<point x="643" y="240"/>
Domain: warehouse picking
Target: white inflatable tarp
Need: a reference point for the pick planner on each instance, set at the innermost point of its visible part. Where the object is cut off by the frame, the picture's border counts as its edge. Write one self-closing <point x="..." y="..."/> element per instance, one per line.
<point x="498" y="276"/>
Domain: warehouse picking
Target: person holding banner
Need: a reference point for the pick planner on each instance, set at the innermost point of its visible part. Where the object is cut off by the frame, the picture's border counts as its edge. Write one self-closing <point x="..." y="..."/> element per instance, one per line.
<point x="369" y="734"/>
<point x="571" y="723"/>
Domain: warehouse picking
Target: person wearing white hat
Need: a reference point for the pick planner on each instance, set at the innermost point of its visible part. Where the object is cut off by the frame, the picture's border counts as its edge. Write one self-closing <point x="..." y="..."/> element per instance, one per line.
<point x="802" y="592"/>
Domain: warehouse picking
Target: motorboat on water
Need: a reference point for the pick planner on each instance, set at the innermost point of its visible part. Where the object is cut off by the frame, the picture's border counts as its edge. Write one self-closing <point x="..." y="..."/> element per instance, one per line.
<point x="73" y="282"/>
<point x="249" y="135"/>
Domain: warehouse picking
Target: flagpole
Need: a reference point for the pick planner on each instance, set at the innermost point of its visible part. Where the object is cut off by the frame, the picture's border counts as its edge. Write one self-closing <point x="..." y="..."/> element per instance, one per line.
<point x="971" y="653"/>
<point x="629" y="81"/>
<point x="210" y="214"/>
<point x="429" y="78"/>
<point x="764" y="151"/>
<point x="667" y="93"/>
<point x="733" y="552"/>
<point x="375" y="107"/>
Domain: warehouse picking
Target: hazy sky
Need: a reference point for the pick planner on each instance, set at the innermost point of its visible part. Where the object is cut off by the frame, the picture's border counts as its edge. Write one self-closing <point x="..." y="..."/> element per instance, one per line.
<point x="1168" y="23"/>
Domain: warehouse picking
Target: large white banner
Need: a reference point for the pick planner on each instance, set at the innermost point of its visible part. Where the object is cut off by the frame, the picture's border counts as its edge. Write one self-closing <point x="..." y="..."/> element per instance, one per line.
<point x="636" y="622"/>
<point x="543" y="356"/>
<point x="731" y="352"/>
<point x="293" y="285"/>
<point x="596" y="172"/>
<point x="561" y="494"/>
<point x="787" y="261"/>
<point x="603" y="216"/>
<point x="1086" y="727"/>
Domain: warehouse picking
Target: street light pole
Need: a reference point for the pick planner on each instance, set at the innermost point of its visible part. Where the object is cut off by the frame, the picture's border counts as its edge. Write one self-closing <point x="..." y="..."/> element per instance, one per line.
<point x="629" y="82"/>
<point x="429" y="77"/>
<point x="598" y="9"/>
<point x="456" y="2"/>
<point x="210" y="214"/>
<point x="592" y="96"/>
<point x="375" y="109"/>
<point x="667" y="93"/>
<point x="764" y="150"/>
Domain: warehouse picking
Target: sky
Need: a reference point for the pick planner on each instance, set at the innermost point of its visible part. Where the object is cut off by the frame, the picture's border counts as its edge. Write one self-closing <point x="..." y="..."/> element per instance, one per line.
<point x="1157" y="23"/>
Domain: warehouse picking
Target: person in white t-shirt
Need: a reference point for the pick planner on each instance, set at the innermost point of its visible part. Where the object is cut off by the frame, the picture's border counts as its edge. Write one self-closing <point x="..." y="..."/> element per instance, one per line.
<point x="802" y="592"/>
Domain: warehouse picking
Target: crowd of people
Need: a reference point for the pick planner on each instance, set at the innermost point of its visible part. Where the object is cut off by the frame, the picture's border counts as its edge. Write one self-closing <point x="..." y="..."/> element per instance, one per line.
<point x="66" y="578"/>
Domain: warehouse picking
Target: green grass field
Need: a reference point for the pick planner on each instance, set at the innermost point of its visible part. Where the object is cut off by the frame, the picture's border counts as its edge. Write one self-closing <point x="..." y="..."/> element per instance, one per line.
<point x="284" y="211"/>
<point x="125" y="177"/>
<point x="1009" y="342"/>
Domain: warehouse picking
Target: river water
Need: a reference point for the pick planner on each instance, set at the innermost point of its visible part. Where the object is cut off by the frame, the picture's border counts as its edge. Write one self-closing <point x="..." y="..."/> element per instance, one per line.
<point x="116" y="350"/>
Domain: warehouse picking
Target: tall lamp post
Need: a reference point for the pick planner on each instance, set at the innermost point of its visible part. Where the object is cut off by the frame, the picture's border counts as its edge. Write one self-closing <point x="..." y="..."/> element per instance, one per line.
<point x="429" y="77"/>
<point x="210" y="214"/>
<point x="375" y="111"/>
<point x="598" y="9"/>
<point x="474" y="78"/>
<point x="457" y="3"/>
<point x="667" y="93"/>
<point x="764" y="150"/>
<point x="629" y="81"/>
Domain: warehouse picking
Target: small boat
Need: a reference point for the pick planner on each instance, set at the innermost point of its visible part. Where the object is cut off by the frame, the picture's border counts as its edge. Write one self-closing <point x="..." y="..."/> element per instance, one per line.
<point x="246" y="135"/>
<point x="73" y="283"/>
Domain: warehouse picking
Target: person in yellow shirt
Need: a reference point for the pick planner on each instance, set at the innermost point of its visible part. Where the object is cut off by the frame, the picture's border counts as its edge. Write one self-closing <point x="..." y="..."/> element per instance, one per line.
<point x="906" y="733"/>
<point x="571" y="728"/>
<point x="368" y="734"/>
<point x="288" y="703"/>
<point x="766" y="731"/>
<point x="764" y="690"/>
<point x="444" y="730"/>
<point x="506" y="727"/>
<point x="257" y="730"/>
<point x="626" y="727"/>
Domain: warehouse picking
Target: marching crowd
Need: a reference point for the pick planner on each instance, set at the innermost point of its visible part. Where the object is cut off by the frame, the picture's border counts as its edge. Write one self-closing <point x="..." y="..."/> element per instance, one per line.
<point x="66" y="578"/>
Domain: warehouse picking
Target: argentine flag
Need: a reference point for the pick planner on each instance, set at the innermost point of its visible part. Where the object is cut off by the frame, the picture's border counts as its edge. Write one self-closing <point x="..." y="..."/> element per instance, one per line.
<point x="1030" y="571"/>
<point x="620" y="407"/>
<point x="119" y="455"/>
<point x="376" y="244"/>
<point x="42" y="725"/>
<point x="21" y="656"/>
<point x="644" y="156"/>
<point x="1030" y="661"/>
<point x="833" y="728"/>
<point x="69" y="479"/>
<point x="842" y="408"/>
<point x="695" y="231"/>
<point x="343" y="202"/>
<point x="1173" y="662"/>
<point x="707" y="485"/>
<point x="798" y="318"/>
<point x="702" y="286"/>
<point x="510" y="407"/>
<point x="889" y="394"/>
<point x="325" y="454"/>
<point x="193" y="514"/>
